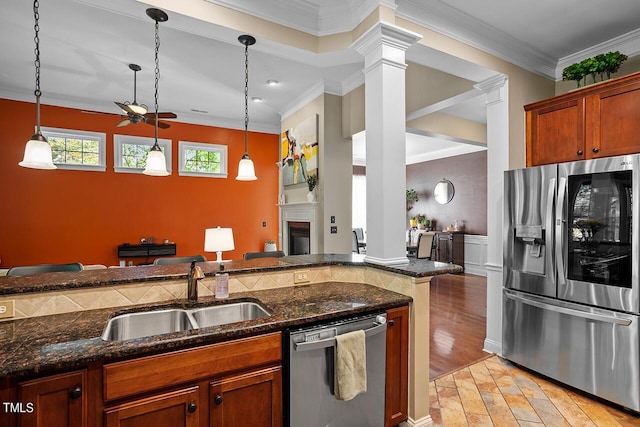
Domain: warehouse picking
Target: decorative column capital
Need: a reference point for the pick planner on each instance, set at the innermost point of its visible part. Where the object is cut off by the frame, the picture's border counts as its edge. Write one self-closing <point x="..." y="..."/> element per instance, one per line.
<point x="385" y="42"/>
<point x="494" y="88"/>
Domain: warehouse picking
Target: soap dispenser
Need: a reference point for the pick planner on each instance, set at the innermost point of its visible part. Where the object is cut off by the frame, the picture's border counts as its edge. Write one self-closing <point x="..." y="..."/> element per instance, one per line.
<point x="222" y="283"/>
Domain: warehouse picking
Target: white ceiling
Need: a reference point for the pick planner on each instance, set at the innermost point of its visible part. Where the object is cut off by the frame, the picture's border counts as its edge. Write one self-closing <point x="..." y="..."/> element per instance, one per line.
<point x="87" y="45"/>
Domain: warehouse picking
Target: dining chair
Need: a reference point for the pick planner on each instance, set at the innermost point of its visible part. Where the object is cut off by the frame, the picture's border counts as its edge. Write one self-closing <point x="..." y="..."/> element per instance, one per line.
<point x="24" y="270"/>
<point x="359" y="233"/>
<point x="425" y="245"/>
<point x="179" y="259"/>
<point x="267" y="254"/>
<point x="354" y="242"/>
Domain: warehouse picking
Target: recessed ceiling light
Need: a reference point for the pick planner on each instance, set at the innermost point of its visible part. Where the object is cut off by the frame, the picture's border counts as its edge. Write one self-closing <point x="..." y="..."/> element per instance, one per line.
<point x="273" y="82"/>
<point x="256" y="99"/>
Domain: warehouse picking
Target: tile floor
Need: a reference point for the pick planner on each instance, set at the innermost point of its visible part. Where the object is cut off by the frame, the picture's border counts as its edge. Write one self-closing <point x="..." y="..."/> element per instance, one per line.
<point x="494" y="392"/>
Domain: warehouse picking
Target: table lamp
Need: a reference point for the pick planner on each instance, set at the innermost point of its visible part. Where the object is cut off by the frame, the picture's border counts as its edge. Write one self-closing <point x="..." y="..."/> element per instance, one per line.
<point x="218" y="240"/>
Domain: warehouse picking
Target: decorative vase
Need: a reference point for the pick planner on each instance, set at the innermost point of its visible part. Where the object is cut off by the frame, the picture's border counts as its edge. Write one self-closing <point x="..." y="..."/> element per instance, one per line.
<point x="311" y="196"/>
<point x="270" y="247"/>
<point x="413" y="223"/>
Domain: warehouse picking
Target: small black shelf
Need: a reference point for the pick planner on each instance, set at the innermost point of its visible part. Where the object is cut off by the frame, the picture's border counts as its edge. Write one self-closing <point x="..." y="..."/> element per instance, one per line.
<point x="146" y="250"/>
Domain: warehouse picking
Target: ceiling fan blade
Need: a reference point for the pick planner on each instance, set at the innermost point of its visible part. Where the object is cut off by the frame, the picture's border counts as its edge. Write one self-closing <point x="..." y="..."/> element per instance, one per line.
<point x="163" y="115"/>
<point x="123" y="122"/>
<point x="161" y="125"/>
<point x="124" y="107"/>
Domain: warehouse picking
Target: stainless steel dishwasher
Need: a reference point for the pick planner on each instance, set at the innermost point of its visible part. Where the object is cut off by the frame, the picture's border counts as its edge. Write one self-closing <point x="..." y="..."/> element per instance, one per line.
<point x="309" y="399"/>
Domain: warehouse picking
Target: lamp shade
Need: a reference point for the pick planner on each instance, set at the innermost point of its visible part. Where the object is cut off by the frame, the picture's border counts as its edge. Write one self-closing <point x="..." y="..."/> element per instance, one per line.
<point x="246" y="170"/>
<point x="156" y="164"/>
<point x="37" y="154"/>
<point x="218" y="240"/>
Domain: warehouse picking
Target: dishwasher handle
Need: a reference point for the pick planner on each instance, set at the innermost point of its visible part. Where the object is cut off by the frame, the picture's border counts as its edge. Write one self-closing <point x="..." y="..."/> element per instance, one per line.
<point x="330" y="342"/>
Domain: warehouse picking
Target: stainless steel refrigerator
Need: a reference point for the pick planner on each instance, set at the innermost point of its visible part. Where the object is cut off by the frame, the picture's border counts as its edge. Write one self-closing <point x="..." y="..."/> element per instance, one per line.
<point x="571" y="307"/>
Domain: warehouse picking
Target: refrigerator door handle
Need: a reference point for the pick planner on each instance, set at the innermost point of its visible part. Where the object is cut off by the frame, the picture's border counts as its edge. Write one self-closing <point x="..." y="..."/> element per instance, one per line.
<point x="560" y="228"/>
<point x="569" y="311"/>
<point x="549" y="240"/>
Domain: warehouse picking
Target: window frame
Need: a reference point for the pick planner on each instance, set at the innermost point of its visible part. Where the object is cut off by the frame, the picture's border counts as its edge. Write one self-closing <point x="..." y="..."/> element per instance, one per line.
<point x="119" y="140"/>
<point x="224" y="158"/>
<point x="101" y="137"/>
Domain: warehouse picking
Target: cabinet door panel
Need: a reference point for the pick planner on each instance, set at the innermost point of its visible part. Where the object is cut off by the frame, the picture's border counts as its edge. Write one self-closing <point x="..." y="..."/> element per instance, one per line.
<point x="252" y="399"/>
<point x="619" y="121"/>
<point x="556" y="134"/>
<point x="59" y="400"/>
<point x="172" y="409"/>
<point x="397" y="366"/>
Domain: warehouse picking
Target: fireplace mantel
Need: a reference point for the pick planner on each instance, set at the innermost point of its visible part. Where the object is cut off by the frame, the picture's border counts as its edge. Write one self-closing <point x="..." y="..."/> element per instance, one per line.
<point x="299" y="212"/>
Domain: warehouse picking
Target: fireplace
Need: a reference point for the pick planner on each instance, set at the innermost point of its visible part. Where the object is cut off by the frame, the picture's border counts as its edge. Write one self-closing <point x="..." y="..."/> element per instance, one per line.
<point x="299" y="238"/>
<point x="302" y="217"/>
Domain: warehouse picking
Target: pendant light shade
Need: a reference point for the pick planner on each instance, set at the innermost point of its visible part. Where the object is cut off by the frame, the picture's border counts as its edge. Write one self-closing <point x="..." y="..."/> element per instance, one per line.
<point x="246" y="170"/>
<point x="156" y="162"/>
<point x="37" y="153"/>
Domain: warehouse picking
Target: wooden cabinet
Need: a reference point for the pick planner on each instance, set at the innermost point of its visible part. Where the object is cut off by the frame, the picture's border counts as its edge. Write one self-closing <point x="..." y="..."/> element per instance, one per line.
<point x="397" y="367"/>
<point x="250" y="399"/>
<point x="232" y="383"/>
<point x="449" y="247"/>
<point x="58" y="400"/>
<point x="172" y="409"/>
<point x="597" y="121"/>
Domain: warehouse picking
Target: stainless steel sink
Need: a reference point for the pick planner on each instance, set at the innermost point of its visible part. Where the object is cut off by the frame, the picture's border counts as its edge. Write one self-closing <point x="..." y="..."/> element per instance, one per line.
<point x="145" y="324"/>
<point x="228" y="313"/>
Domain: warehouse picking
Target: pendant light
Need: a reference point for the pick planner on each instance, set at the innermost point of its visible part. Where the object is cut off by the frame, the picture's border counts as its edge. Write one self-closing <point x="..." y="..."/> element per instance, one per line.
<point x="37" y="153"/>
<point x="156" y="163"/>
<point x="246" y="170"/>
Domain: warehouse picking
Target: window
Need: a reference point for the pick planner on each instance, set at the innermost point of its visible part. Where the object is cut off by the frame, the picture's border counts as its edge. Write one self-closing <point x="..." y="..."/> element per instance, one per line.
<point x="359" y="202"/>
<point x="130" y="152"/>
<point x="199" y="159"/>
<point x="76" y="149"/>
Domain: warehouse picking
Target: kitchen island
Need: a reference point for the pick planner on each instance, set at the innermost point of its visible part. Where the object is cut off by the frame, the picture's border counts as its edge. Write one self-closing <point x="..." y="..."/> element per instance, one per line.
<point x="84" y="301"/>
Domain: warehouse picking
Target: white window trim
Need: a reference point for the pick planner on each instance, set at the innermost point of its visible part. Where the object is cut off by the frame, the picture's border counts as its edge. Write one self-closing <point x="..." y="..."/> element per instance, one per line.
<point x="222" y="149"/>
<point x="72" y="133"/>
<point x="118" y="140"/>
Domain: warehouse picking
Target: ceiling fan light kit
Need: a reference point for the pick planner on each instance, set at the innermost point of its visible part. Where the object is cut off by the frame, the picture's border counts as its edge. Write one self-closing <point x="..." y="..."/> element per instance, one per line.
<point x="37" y="152"/>
<point x="246" y="169"/>
<point x="156" y="162"/>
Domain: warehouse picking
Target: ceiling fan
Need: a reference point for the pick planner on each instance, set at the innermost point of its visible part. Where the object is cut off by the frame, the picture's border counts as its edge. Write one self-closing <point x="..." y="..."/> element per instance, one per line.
<point x="136" y="113"/>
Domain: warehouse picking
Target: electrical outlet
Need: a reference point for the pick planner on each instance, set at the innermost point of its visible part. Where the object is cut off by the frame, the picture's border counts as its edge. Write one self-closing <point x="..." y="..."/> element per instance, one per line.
<point x="7" y="309"/>
<point x="301" y="276"/>
<point x="334" y="229"/>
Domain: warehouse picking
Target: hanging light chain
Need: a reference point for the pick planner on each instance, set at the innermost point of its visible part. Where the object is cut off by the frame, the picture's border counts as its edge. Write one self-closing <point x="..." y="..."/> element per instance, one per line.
<point x="36" y="28"/>
<point x="157" y="78"/>
<point x="246" y="96"/>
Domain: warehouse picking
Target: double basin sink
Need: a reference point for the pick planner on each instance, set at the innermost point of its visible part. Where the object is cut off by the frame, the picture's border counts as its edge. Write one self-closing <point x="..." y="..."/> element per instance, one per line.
<point x="145" y="324"/>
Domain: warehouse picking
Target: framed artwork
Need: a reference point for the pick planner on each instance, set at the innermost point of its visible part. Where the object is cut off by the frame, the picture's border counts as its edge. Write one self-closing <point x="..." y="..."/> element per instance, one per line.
<point x="299" y="152"/>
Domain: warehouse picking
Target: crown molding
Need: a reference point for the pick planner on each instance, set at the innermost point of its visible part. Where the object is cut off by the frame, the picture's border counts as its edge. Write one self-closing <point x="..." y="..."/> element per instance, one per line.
<point x="446" y="20"/>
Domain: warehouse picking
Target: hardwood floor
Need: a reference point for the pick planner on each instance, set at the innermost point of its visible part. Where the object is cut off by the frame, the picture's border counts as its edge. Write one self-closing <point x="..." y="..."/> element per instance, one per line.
<point x="472" y="388"/>
<point x="458" y="321"/>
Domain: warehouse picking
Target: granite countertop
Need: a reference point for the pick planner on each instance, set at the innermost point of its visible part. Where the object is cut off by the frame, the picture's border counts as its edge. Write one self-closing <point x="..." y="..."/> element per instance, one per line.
<point x="112" y="276"/>
<point x="47" y="344"/>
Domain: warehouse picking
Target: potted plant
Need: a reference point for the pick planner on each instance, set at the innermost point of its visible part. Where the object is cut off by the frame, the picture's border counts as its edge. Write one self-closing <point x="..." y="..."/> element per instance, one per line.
<point x="270" y="245"/>
<point x="312" y="181"/>
<point x="412" y="197"/>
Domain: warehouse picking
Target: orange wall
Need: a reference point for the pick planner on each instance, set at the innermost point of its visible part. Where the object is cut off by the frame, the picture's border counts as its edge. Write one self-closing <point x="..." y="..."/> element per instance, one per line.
<point x="66" y="216"/>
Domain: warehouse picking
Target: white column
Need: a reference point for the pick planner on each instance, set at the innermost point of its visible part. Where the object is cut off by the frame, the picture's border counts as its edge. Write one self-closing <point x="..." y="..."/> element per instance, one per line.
<point x="497" y="90"/>
<point x="383" y="47"/>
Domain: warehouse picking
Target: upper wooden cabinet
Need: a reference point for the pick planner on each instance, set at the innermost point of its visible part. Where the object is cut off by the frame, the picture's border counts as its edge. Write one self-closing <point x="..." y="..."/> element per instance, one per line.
<point x="600" y="120"/>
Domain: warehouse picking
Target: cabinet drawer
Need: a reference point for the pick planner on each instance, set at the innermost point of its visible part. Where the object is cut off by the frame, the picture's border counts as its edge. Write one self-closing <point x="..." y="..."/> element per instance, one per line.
<point x="131" y="377"/>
